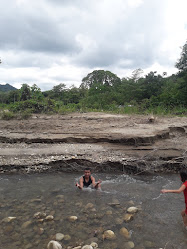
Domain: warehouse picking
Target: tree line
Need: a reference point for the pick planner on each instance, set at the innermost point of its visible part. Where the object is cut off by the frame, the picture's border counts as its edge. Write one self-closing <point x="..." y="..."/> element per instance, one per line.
<point x="103" y="90"/>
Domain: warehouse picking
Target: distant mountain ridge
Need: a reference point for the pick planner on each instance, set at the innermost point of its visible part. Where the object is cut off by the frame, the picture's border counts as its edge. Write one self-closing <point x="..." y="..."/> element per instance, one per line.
<point x="6" y="88"/>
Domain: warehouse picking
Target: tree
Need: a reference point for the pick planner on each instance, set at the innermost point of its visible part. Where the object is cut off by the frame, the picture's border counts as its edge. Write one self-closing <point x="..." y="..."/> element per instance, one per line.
<point x="36" y="92"/>
<point x="182" y="62"/>
<point x="100" y="77"/>
<point x="25" y="92"/>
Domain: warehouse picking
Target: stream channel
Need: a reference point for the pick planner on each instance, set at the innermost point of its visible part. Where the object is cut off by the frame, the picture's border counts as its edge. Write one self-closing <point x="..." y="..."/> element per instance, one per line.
<point x="157" y="224"/>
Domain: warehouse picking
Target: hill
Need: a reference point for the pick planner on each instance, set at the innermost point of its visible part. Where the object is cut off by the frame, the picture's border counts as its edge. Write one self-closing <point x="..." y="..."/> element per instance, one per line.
<point x="6" y="88"/>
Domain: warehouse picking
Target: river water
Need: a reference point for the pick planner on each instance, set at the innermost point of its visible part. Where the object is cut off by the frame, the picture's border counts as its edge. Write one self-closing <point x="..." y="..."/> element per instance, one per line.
<point x="157" y="224"/>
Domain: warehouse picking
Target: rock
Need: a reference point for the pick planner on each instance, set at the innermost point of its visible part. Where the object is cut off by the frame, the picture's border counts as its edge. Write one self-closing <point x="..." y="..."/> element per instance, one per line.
<point x="26" y="224"/>
<point x="40" y="230"/>
<point x="54" y="245"/>
<point x="8" y="219"/>
<point x="130" y="244"/>
<point x="125" y="233"/>
<point x="39" y="215"/>
<point x="109" y="212"/>
<point x="132" y="210"/>
<point x="59" y="236"/>
<point x="87" y="247"/>
<point x="128" y="217"/>
<point x="49" y="218"/>
<point x="67" y="237"/>
<point x="109" y="234"/>
<point x="94" y="245"/>
<point x="89" y="205"/>
<point x="72" y="218"/>
<point x="118" y="221"/>
<point x="77" y="247"/>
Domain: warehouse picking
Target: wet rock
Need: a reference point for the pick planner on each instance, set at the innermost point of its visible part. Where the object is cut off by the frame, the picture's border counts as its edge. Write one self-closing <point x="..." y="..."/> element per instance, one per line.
<point x="89" y="205"/>
<point x="49" y="218"/>
<point x="124" y="232"/>
<point x="109" y="212"/>
<point x="118" y="221"/>
<point x="67" y="237"/>
<point x="132" y="210"/>
<point x="40" y="230"/>
<point x="59" y="236"/>
<point x="8" y="219"/>
<point x="130" y="244"/>
<point x="94" y="245"/>
<point x="109" y="234"/>
<point x="149" y="244"/>
<point x="26" y="224"/>
<point x="128" y="217"/>
<point x="87" y="247"/>
<point x="54" y="245"/>
<point x="72" y="218"/>
<point x="39" y="215"/>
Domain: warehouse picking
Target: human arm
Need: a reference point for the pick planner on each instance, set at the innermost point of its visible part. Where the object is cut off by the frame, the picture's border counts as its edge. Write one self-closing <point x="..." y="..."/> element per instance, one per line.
<point x="95" y="184"/>
<point x="182" y="188"/>
<point x="80" y="184"/>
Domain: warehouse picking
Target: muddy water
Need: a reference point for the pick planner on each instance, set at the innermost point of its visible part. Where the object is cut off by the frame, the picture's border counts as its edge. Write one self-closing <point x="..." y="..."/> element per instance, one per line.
<point x="156" y="225"/>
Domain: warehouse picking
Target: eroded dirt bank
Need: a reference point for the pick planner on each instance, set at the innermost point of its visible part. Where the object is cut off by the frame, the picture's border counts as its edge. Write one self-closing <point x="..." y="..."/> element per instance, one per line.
<point x="104" y="142"/>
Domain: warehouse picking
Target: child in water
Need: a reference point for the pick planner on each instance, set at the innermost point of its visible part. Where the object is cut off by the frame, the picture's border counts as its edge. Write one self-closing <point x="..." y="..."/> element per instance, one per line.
<point x="183" y="188"/>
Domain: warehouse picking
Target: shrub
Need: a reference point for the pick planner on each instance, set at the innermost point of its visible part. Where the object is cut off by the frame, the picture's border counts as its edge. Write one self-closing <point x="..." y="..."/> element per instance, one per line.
<point x="7" y="115"/>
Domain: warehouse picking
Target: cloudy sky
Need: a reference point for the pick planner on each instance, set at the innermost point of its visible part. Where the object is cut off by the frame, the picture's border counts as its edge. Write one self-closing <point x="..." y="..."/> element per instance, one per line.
<point x="48" y="42"/>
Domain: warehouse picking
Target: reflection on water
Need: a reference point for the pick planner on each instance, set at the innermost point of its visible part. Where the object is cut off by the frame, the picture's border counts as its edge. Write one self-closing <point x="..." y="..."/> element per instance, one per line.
<point x="156" y="225"/>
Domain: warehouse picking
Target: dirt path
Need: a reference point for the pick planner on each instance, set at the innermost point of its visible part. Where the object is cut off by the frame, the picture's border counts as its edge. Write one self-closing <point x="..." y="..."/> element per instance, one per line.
<point x="69" y="142"/>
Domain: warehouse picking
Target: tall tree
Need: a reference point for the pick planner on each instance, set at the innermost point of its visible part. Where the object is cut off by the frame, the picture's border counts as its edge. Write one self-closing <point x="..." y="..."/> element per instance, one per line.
<point x="100" y="77"/>
<point x="25" y="92"/>
<point x="182" y="62"/>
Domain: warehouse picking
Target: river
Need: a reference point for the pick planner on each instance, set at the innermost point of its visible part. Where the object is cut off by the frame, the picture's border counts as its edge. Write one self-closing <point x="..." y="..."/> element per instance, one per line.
<point x="157" y="224"/>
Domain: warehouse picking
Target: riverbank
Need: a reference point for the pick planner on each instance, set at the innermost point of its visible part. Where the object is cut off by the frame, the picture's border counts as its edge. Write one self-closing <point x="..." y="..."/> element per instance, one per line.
<point x="104" y="142"/>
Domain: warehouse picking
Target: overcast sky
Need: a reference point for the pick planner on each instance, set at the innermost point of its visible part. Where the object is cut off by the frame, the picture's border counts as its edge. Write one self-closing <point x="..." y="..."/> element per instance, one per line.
<point x="48" y="42"/>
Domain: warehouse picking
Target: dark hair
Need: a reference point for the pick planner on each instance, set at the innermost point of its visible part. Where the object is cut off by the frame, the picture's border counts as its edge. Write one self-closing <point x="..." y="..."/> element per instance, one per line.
<point x="87" y="169"/>
<point x="183" y="175"/>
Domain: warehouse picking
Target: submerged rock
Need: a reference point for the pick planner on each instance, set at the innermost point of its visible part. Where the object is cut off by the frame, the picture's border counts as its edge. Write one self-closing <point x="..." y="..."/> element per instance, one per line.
<point x="132" y="210"/>
<point x="125" y="233"/>
<point x="128" y="217"/>
<point x="87" y="247"/>
<point x="59" y="236"/>
<point x="72" y="218"/>
<point x="49" y="218"/>
<point x="109" y="234"/>
<point x="54" y="245"/>
<point x="8" y="219"/>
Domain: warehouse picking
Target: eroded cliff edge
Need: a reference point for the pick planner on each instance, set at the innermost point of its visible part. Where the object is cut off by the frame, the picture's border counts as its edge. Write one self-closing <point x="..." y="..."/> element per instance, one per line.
<point x="104" y="142"/>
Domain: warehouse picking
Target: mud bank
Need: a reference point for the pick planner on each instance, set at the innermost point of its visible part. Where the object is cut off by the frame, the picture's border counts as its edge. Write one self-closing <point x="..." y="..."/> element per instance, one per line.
<point x="103" y="142"/>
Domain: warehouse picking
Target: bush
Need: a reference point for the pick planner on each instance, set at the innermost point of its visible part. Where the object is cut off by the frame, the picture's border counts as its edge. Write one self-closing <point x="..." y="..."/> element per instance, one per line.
<point x="7" y="115"/>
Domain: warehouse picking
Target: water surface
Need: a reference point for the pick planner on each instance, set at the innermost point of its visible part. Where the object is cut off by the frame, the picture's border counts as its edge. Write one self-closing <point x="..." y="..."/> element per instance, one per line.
<point x="157" y="224"/>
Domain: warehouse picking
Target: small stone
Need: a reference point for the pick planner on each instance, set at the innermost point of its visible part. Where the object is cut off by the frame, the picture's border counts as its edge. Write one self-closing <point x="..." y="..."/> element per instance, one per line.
<point x="109" y="234"/>
<point x="8" y="219"/>
<point x="54" y="245"/>
<point x="130" y="244"/>
<point x="67" y="237"/>
<point x="87" y="247"/>
<point x="26" y="224"/>
<point x="127" y="217"/>
<point x="39" y="215"/>
<point x="49" y="218"/>
<point x="89" y="205"/>
<point x="124" y="232"/>
<point x="72" y="218"/>
<point x="132" y="210"/>
<point x="94" y="245"/>
<point x="59" y="236"/>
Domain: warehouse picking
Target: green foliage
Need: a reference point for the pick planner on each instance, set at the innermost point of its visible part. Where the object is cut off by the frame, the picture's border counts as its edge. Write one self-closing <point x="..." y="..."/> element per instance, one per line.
<point x="7" y="115"/>
<point x="182" y="62"/>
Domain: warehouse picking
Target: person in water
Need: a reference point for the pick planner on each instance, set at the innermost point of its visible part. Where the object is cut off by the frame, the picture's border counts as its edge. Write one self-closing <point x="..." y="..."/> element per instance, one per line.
<point x="183" y="176"/>
<point x="88" y="180"/>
